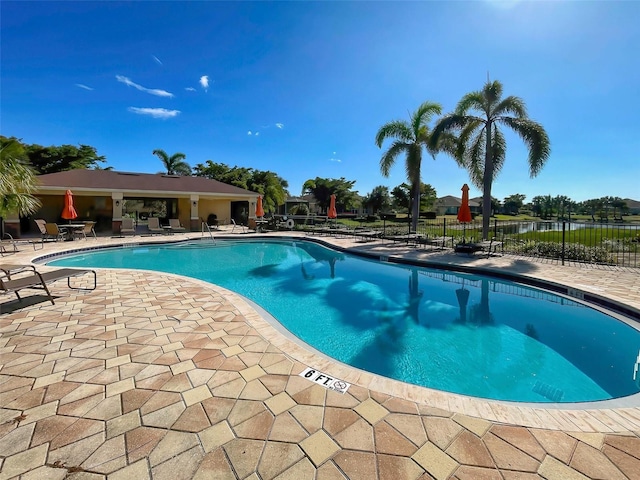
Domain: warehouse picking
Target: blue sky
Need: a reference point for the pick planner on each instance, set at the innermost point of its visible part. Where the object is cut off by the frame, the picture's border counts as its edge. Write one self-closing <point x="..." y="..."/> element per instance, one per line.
<point x="301" y="88"/>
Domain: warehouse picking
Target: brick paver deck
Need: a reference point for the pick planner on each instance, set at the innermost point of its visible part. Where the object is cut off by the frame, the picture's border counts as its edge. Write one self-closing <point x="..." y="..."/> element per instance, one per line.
<point x="149" y="377"/>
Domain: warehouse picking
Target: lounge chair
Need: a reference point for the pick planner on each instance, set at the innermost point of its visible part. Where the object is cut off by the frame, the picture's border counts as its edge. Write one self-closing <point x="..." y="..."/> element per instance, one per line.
<point x="154" y="225"/>
<point x="127" y="227"/>
<point x="14" y="278"/>
<point x="176" y="226"/>
<point x="489" y="246"/>
<point x="7" y="245"/>
<point x="366" y="234"/>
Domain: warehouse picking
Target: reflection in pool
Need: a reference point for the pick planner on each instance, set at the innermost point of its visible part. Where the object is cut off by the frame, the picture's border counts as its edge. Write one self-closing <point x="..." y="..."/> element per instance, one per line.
<point x="462" y="333"/>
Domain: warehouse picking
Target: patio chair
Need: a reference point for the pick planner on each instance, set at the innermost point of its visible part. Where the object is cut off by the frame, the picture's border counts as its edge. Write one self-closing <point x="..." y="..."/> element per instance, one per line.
<point x="87" y="230"/>
<point x="127" y="227"/>
<point x="53" y="231"/>
<point x="14" y="278"/>
<point x="176" y="226"/>
<point x="154" y="225"/>
<point x="42" y="227"/>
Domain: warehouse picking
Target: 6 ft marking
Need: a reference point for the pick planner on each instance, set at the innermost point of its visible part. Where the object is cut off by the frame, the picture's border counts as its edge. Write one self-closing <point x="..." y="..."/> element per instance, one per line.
<point x="327" y="381"/>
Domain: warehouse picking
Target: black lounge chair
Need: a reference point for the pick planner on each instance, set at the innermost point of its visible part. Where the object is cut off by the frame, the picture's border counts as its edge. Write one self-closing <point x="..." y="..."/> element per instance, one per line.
<point x="489" y="246"/>
<point x="14" y="278"/>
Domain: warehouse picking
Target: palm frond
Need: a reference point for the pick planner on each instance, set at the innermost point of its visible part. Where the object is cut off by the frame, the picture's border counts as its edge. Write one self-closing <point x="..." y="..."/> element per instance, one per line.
<point x="475" y="155"/>
<point x="535" y="137"/>
<point x="389" y="157"/>
<point x="158" y="152"/>
<point x="498" y="150"/>
<point x="422" y="116"/>
<point x="449" y="144"/>
<point x="396" y="129"/>
<point x="470" y="102"/>
<point x="492" y="92"/>
<point x="17" y="182"/>
<point x="510" y="106"/>
<point x="449" y="123"/>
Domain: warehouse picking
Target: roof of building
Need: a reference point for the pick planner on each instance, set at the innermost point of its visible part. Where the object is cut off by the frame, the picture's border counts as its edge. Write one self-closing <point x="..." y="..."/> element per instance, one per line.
<point x="451" y="201"/>
<point x="131" y="181"/>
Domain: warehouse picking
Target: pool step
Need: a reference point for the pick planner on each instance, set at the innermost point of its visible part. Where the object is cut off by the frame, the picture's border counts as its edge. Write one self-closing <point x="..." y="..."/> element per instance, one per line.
<point x="547" y="391"/>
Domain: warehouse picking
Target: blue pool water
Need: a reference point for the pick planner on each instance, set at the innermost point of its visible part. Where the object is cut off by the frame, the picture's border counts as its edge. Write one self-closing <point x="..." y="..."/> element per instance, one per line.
<point x="461" y="333"/>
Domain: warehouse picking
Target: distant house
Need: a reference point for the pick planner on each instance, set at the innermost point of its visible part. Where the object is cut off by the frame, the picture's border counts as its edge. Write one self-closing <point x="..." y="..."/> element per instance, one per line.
<point x="291" y="202"/>
<point x="105" y="196"/>
<point x="449" y="205"/>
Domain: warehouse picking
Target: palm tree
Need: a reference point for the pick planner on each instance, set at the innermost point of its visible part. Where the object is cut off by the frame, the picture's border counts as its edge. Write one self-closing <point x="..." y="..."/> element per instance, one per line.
<point x="17" y="182"/>
<point x="482" y="147"/>
<point x="175" y="163"/>
<point x="410" y="138"/>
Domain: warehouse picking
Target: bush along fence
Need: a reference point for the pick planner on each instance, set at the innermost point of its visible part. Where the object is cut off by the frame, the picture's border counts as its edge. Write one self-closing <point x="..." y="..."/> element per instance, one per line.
<point x="598" y="243"/>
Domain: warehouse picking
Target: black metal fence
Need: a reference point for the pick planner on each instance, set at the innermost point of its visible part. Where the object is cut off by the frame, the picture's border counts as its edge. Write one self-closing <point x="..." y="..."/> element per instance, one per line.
<point x="587" y="242"/>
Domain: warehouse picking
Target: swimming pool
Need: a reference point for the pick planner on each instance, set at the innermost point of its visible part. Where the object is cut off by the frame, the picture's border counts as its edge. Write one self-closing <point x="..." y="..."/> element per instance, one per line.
<point x="461" y="333"/>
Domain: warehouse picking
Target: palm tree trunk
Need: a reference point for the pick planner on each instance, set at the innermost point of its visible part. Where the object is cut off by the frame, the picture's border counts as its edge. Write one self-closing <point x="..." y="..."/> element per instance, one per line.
<point x="415" y="207"/>
<point x="487" y="179"/>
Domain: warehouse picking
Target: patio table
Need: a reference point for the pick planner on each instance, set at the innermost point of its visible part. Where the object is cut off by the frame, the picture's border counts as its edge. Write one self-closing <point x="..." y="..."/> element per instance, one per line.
<point x="70" y="230"/>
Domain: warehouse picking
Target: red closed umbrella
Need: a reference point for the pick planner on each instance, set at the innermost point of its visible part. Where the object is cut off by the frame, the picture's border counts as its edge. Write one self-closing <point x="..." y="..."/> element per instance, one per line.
<point x="259" y="209"/>
<point x="332" y="213"/>
<point x="464" y="212"/>
<point x="69" y="212"/>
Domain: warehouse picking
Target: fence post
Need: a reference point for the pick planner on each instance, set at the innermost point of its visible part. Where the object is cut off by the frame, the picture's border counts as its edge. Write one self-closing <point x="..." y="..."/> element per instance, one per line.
<point x="444" y="227"/>
<point x="564" y="226"/>
<point x="495" y="227"/>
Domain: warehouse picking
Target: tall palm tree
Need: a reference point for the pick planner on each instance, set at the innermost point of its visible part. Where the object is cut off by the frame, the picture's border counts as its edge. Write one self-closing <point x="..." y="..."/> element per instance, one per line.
<point x="410" y="138"/>
<point x="175" y="163"/>
<point x="482" y="147"/>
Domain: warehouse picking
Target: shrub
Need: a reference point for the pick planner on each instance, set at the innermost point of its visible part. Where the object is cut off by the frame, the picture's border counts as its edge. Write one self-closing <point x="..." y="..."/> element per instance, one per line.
<point x="573" y="251"/>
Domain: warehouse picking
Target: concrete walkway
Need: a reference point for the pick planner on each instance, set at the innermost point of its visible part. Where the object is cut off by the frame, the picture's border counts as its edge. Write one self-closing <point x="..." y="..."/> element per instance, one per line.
<point x="154" y="376"/>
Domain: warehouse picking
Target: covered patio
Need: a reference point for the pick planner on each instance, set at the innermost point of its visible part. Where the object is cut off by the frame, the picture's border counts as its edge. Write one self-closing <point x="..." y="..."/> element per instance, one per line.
<point x="105" y="196"/>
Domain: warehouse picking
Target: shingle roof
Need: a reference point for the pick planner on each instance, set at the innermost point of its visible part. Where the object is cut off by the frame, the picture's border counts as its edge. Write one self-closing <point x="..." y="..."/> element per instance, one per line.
<point x="131" y="181"/>
<point x="451" y="201"/>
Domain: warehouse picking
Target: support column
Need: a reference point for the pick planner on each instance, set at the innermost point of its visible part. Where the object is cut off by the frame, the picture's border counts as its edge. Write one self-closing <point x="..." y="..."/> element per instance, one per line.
<point x="195" y="215"/>
<point x="116" y="217"/>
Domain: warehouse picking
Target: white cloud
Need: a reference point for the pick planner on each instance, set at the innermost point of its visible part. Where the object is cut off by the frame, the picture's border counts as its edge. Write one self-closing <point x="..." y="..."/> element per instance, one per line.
<point x="249" y="133"/>
<point x="257" y="133"/>
<point x="152" y="91"/>
<point x="80" y="85"/>
<point x="335" y="159"/>
<point x="156" y="59"/>
<point x="204" y="81"/>
<point x="190" y="89"/>
<point x="280" y="125"/>
<point x="154" y="112"/>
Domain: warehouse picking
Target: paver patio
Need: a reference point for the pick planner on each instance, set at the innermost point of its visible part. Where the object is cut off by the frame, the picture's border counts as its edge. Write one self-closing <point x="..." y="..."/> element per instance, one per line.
<point x="149" y="377"/>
